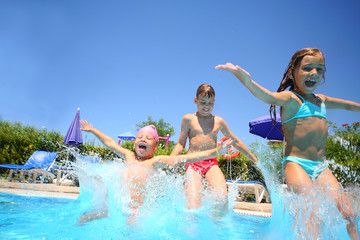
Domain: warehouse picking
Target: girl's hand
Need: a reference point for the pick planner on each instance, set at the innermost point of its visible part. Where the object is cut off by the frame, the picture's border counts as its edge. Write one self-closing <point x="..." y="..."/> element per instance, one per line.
<point x="86" y="126"/>
<point x="225" y="146"/>
<point x="240" y="73"/>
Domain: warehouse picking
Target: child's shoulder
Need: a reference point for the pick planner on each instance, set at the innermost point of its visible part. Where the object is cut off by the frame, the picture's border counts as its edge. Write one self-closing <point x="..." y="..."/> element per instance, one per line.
<point x="219" y="120"/>
<point x="189" y="116"/>
<point x="289" y="95"/>
<point x="321" y="96"/>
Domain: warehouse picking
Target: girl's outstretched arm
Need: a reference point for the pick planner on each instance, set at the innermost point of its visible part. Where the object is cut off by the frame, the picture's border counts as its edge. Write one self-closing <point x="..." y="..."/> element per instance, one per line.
<point x="337" y="103"/>
<point x="194" y="157"/>
<point x="274" y="98"/>
<point x="105" y="139"/>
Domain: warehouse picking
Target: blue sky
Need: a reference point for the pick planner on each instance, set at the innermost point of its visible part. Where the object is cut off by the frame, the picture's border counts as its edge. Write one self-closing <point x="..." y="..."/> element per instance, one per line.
<point x="121" y="61"/>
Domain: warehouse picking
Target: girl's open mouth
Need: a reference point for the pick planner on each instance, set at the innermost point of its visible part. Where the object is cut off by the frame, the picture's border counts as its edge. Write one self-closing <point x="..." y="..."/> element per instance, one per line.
<point x="142" y="146"/>
<point x="310" y="83"/>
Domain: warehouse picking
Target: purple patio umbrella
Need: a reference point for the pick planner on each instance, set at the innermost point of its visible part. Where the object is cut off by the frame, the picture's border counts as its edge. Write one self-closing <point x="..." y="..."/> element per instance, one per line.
<point x="73" y="136"/>
<point x="264" y="127"/>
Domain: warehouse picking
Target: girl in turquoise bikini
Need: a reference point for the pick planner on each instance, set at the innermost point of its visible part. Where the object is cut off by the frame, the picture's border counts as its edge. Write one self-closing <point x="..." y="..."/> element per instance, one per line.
<point x="304" y="126"/>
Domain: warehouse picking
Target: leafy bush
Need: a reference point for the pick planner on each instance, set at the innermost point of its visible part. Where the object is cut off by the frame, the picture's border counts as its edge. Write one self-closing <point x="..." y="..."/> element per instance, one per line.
<point x="342" y="149"/>
<point x="18" y="142"/>
<point x="240" y="168"/>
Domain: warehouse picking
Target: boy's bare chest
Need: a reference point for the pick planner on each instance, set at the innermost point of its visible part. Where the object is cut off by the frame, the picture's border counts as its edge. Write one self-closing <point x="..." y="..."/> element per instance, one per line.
<point x="204" y="126"/>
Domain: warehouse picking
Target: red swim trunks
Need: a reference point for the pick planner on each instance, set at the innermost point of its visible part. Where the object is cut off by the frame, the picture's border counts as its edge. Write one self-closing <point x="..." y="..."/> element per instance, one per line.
<point x="202" y="167"/>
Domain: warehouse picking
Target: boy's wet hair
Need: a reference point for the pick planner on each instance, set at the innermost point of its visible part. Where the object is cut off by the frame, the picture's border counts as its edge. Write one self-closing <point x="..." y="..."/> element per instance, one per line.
<point x="288" y="79"/>
<point x="205" y="89"/>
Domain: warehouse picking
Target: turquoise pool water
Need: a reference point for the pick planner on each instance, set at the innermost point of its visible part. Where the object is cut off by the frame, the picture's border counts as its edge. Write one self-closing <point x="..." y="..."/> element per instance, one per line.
<point x="25" y="217"/>
<point x="164" y="215"/>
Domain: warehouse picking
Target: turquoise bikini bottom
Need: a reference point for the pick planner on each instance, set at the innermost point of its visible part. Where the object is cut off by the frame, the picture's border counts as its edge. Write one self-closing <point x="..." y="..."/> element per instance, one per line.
<point x="311" y="167"/>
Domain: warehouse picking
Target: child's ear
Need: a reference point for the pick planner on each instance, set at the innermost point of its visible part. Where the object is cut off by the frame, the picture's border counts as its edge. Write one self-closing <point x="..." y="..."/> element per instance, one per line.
<point x="195" y="100"/>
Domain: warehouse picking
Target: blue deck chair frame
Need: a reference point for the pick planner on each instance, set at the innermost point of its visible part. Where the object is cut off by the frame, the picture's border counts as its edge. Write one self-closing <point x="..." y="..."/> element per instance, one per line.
<point x="38" y="165"/>
<point x="65" y="172"/>
<point x="251" y="187"/>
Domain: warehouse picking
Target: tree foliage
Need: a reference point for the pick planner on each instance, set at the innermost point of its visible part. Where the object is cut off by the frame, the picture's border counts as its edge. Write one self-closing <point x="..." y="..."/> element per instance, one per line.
<point x="343" y="151"/>
<point x="163" y="128"/>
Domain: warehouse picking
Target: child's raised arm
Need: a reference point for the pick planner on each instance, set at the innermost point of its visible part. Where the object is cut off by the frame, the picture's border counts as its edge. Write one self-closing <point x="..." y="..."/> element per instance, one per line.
<point x="273" y="98"/>
<point x="105" y="139"/>
<point x="194" y="157"/>
<point x="337" y="103"/>
<point x="239" y="145"/>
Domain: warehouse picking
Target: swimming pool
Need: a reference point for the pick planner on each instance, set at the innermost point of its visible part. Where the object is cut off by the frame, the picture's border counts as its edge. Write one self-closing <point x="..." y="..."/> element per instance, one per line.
<point x="25" y="217"/>
<point x="164" y="217"/>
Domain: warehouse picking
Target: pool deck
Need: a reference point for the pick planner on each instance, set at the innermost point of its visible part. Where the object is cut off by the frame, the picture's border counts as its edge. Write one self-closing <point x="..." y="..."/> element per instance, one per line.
<point x="53" y="190"/>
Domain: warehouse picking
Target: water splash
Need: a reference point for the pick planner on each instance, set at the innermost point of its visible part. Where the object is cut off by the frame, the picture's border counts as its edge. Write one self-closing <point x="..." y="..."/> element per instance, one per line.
<point x="155" y="208"/>
<point x="310" y="216"/>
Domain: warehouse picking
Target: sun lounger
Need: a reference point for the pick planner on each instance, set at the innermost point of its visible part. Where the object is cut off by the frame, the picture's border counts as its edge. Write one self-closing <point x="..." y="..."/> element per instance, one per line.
<point x="251" y="187"/>
<point x="37" y="166"/>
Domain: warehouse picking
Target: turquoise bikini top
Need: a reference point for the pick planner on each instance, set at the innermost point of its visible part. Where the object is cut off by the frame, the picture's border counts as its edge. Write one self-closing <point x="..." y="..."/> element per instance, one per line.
<point x="309" y="109"/>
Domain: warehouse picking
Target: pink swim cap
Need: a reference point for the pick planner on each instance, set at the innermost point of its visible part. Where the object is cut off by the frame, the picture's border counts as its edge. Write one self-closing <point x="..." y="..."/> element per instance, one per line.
<point x="150" y="129"/>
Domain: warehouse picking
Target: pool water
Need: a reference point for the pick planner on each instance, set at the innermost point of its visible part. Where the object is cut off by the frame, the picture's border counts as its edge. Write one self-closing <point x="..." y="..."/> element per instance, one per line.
<point x="24" y="217"/>
<point x="164" y="215"/>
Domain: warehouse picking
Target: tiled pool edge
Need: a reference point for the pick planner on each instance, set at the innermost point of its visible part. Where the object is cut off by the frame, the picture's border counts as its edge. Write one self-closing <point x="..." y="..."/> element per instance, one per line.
<point x="40" y="190"/>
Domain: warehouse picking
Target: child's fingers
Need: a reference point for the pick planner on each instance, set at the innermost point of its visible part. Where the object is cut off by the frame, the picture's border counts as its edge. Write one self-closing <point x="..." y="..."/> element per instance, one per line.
<point x="223" y="65"/>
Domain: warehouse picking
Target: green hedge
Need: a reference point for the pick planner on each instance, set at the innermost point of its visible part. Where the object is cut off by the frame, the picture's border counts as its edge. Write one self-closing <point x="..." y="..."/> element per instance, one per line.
<point x="18" y="142"/>
<point x="240" y="168"/>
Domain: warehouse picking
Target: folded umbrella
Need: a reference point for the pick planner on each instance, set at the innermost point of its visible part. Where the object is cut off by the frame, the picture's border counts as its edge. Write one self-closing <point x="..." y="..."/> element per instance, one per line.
<point x="73" y="136"/>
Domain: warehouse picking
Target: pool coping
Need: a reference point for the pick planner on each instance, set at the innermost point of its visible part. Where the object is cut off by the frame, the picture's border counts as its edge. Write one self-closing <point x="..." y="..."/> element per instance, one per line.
<point x="53" y="190"/>
<point x="41" y="190"/>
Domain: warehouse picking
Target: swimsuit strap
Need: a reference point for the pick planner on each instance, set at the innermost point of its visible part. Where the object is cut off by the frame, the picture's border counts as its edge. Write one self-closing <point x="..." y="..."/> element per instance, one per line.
<point x="299" y="96"/>
<point x="319" y="99"/>
<point x="306" y="100"/>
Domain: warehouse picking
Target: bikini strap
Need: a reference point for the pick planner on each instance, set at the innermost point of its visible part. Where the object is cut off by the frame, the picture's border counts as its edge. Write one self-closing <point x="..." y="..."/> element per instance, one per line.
<point x="298" y="96"/>
<point x="318" y="98"/>
<point x="304" y="99"/>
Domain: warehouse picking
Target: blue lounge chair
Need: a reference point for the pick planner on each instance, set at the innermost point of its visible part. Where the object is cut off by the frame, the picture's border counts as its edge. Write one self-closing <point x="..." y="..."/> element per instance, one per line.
<point x="251" y="187"/>
<point x="69" y="172"/>
<point x="38" y="164"/>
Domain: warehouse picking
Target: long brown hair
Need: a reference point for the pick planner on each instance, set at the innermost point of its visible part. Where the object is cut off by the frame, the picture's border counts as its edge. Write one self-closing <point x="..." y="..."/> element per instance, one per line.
<point x="288" y="78"/>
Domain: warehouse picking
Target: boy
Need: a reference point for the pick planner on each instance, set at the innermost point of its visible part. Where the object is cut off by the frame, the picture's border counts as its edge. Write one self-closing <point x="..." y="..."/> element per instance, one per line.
<point x="202" y="129"/>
